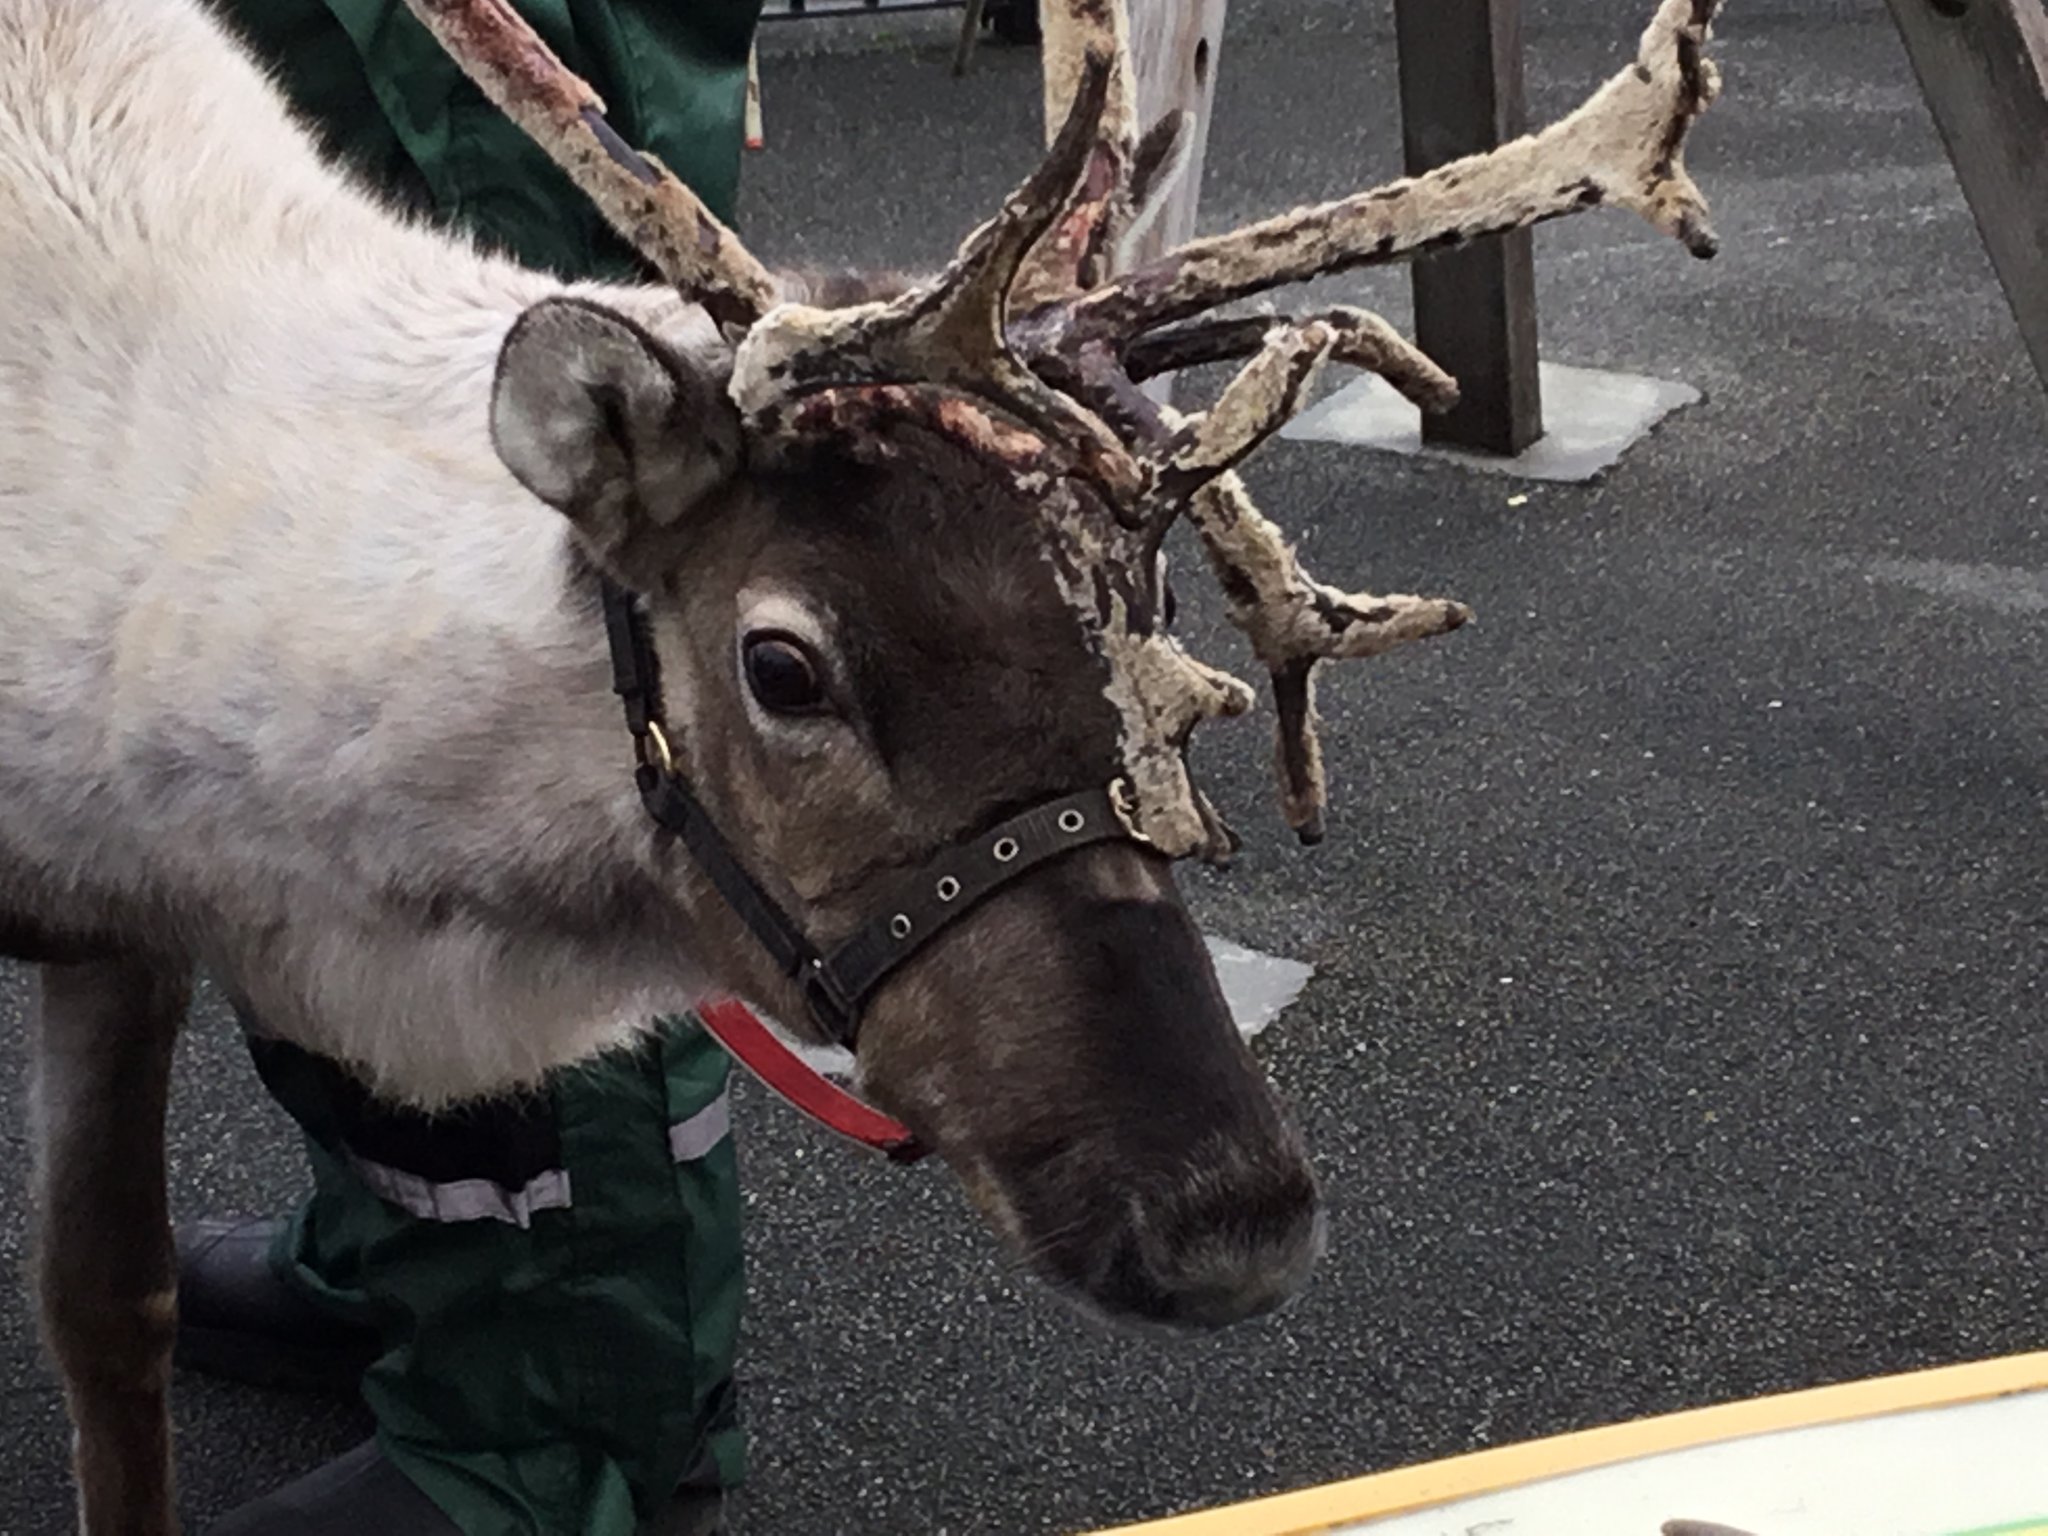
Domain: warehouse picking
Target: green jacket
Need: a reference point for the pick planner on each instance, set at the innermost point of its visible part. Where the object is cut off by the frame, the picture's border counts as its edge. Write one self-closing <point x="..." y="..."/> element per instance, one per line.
<point x="673" y="75"/>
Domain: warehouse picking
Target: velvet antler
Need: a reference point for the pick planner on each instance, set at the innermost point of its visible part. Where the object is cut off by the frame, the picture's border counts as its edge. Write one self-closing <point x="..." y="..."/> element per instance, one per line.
<point x="1624" y="146"/>
<point x="653" y="211"/>
<point x="1033" y="323"/>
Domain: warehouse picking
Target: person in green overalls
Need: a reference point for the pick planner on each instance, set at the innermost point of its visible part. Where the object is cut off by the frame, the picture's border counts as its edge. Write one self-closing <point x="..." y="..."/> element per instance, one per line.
<point x="540" y="1298"/>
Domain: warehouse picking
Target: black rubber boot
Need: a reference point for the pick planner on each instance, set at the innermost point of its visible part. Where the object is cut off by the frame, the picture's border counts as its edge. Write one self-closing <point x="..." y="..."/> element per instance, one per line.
<point x="690" y="1513"/>
<point x="359" y="1494"/>
<point x="363" y="1494"/>
<point x="238" y="1320"/>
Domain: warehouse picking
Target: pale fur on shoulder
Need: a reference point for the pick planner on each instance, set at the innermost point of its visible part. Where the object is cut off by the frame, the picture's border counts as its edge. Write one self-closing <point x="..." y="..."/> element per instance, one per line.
<point x="294" y="678"/>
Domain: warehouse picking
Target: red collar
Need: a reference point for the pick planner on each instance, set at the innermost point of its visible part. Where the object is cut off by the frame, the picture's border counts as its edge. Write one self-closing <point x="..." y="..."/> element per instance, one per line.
<point x="757" y="1048"/>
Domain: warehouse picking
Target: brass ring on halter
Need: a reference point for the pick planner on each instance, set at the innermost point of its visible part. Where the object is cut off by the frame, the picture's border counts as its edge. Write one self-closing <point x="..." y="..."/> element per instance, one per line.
<point x="664" y="759"/>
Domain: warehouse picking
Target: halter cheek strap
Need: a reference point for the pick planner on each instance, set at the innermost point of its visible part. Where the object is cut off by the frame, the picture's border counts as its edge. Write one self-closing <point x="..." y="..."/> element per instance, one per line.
<point x="917" y="907"/>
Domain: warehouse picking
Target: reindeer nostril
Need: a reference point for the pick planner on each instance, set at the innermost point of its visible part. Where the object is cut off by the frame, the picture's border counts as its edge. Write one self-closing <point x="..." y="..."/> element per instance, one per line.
<point x="1225" y="1236"/>
<point x="1220" y="1253"/>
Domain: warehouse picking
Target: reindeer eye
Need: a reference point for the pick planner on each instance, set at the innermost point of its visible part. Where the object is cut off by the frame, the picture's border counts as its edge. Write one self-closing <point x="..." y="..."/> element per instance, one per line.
<point x="782" y="675"/>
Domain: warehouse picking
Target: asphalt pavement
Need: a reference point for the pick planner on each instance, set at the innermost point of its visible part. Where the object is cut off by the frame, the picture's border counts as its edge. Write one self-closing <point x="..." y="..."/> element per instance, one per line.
<point x="1677" y="1031"/>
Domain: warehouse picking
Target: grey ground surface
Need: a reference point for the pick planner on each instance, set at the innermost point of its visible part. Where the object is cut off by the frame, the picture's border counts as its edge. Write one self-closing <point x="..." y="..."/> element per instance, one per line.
<point x="1678" y="1027"/>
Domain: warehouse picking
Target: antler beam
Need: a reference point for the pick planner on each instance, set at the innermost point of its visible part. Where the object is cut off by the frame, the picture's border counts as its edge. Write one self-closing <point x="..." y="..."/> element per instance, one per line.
<point x="1624" y="146"/>
<point x="662" y="219"/>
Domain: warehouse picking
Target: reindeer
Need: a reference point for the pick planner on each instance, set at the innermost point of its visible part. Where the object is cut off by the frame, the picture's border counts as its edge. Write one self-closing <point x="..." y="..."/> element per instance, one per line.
<point x="328" y="537"/>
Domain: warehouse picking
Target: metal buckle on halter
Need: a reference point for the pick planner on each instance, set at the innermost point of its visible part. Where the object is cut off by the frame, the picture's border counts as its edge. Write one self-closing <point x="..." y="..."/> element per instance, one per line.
<point x="828" y="1001"/>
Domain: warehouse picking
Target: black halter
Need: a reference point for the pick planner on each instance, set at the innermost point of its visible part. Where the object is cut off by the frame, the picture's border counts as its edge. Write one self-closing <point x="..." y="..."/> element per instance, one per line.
<point x="838" y="985"/>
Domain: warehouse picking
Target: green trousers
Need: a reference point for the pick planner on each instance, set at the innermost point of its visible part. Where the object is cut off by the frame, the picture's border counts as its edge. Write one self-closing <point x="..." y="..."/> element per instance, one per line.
<point x="556" y="1279"/>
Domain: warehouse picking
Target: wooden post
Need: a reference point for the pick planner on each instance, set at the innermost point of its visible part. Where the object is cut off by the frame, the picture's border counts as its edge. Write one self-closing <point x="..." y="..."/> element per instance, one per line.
<point x="1983" y="66"/>
<point x="1175" y="47"/>
<point x="1475" y="308"/>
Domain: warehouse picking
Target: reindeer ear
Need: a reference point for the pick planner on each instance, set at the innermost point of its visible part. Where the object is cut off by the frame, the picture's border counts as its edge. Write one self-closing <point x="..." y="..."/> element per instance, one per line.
<point x="618" y="432"/>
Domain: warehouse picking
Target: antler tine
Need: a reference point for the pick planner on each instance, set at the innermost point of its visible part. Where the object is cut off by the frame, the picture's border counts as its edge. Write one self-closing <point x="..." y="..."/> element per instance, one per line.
<point x="1074" y="32"/>
<point x="1623" y="146"/>
<point x="949" y="332"/>
<point x="662" y="219"/>
<point x="1293" y="622"/>
<point x="1364" y="340"/>
<point x="1077" y="251"/>
<point x="1268" y="392"/>
<point x="1253" y="407"/>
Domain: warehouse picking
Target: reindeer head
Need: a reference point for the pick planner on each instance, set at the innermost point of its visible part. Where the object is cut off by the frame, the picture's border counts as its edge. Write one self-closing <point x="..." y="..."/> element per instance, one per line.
<point x="901" y="563"/>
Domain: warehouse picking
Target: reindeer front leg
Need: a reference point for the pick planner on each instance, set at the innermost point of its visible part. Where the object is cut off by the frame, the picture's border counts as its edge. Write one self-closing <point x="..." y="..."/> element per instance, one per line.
<point x="105" y="1270"/>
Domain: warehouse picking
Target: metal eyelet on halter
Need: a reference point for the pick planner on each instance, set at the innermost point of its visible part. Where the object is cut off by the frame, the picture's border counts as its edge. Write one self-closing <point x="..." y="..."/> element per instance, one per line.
<point x="948" y="888"/>
<point x="899" y="925"/>
<point x="1006" y="850"/>
<point x="1072" y="821"/>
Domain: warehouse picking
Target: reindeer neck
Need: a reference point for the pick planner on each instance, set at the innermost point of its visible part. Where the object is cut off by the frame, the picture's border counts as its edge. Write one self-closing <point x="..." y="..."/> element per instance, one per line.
<point x="293" y="676"/>
<point x="431" y="774"/>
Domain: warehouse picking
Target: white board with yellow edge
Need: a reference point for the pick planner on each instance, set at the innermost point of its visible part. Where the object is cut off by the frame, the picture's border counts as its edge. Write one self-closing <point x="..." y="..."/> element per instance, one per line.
<point x="1959" y="1451"/>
